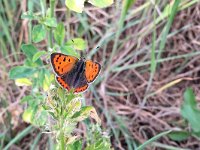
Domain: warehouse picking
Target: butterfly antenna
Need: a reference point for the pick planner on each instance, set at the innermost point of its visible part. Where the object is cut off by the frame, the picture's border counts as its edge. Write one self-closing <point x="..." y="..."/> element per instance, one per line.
<point x="73" y="43"/>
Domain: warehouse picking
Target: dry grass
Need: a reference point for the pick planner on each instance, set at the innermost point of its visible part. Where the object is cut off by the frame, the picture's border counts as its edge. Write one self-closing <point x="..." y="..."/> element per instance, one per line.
<point x="120" y="94"/>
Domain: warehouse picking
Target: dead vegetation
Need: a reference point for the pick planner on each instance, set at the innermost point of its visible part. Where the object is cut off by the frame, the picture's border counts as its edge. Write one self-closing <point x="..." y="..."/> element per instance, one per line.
<point x="119" y="99"/>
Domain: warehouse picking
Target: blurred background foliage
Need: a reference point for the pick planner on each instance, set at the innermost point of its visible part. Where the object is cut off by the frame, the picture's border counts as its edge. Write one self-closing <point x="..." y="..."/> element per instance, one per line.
<point x="149" y="52"/>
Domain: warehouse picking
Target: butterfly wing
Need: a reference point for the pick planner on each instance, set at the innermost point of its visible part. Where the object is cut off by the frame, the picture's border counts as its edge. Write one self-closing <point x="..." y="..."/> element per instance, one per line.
<point x="81" y="89"/>
<point x="81" y="86"/>
<point x="92" y="70"/>
<point x="63" y="83"/>
<point x="66" y="81"/>
<point x="62" y="63"/>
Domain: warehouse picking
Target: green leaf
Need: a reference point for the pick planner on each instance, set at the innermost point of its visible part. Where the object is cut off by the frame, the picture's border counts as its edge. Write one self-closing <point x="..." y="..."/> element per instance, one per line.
<point x="189" y="110"/>
<point x="196" y="134"/>
<point x="37" y="55"/>
<point x="30" y="63"/>
<point x="27" y="98"/>
<point x="77" y="145"/>
<point x="21" y="72"/>
<point x="97" y="139"/>
<point x="23" y="82"/>
<point x="28" y="15"/>
<point x="51" y="22"/>
<point x="19" y="136"/>
<point x="85" y="112"/>
<point x="69" y="50"/>
<point x="127" y="4"/>
<point x="40" y="117"/>
<point x="77" y="43"/>
<point x="61" y="93"/>
<point x="47" y="81"/>
<point x="41" y="76"/>
<point x="178" y="135"/>
<point x="28" y="115"/>
<point x="59" y="33"/>
<point x="73" y="107"/>
<point x="75" y="5"/>
<point x="101" y="3"/>
<point x="148" y="142"/>
<point x="30" y="50"/>
<point x="38" y="33"/>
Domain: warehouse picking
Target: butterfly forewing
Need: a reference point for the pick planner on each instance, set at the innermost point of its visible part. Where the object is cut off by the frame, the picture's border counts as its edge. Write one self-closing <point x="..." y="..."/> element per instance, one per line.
<point x="62" y="63"/>
<point x="92" y="70"/>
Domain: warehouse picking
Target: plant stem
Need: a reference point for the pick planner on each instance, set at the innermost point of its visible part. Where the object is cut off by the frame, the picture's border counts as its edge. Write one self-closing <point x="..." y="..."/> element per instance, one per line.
<point x="62" y="136"/>
<point x="62" y="140"/>
<point x="68" y="14"/>
<point x="52" y="5"/>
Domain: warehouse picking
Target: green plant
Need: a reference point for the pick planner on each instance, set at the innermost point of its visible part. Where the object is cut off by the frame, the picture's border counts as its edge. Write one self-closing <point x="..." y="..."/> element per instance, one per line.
<point x="59" y="111"/>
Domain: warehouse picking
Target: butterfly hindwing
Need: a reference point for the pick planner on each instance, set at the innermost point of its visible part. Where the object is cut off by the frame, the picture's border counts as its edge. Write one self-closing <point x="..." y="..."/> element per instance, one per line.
<point x="81" y="89"/>
<point x="62" y="63"/>
<point x="92" y="70"/>
<point x="63" y="83"/>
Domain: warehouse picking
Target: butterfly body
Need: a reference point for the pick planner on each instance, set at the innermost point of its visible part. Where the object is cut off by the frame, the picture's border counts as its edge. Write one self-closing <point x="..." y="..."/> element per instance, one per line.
<point x="76" y="76"/>
<point x="72" y="72"/>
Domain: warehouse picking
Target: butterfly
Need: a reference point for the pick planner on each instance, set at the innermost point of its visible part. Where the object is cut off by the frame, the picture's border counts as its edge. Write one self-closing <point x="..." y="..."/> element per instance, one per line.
<point x="75" y="73"/>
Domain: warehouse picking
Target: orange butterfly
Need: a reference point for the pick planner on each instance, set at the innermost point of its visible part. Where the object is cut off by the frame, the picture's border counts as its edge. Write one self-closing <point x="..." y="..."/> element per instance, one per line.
<point x="72" y="72"/>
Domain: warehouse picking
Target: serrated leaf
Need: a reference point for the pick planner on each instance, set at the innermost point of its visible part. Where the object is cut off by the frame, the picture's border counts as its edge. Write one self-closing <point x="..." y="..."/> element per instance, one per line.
<point x="75" y="5"/>
<point x="178" y="135"/>
<point x="59" y="33"/>
<point x="38" y="33"/>
<point x="101" y="3"/>
<point x="51" y="22"/>
<point x="21" y="72"/>
<point x="23" y="82"/>
<point x="189" y="110"/>
<point x="37" y="55"/>
<point x="73" y="107"/>
<point x="85" y="112"/>
<point x="77" y="43"/>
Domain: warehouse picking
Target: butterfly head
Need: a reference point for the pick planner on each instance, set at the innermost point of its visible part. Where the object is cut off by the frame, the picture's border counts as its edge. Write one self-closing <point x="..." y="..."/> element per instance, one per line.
<point x="82" y="58"/>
